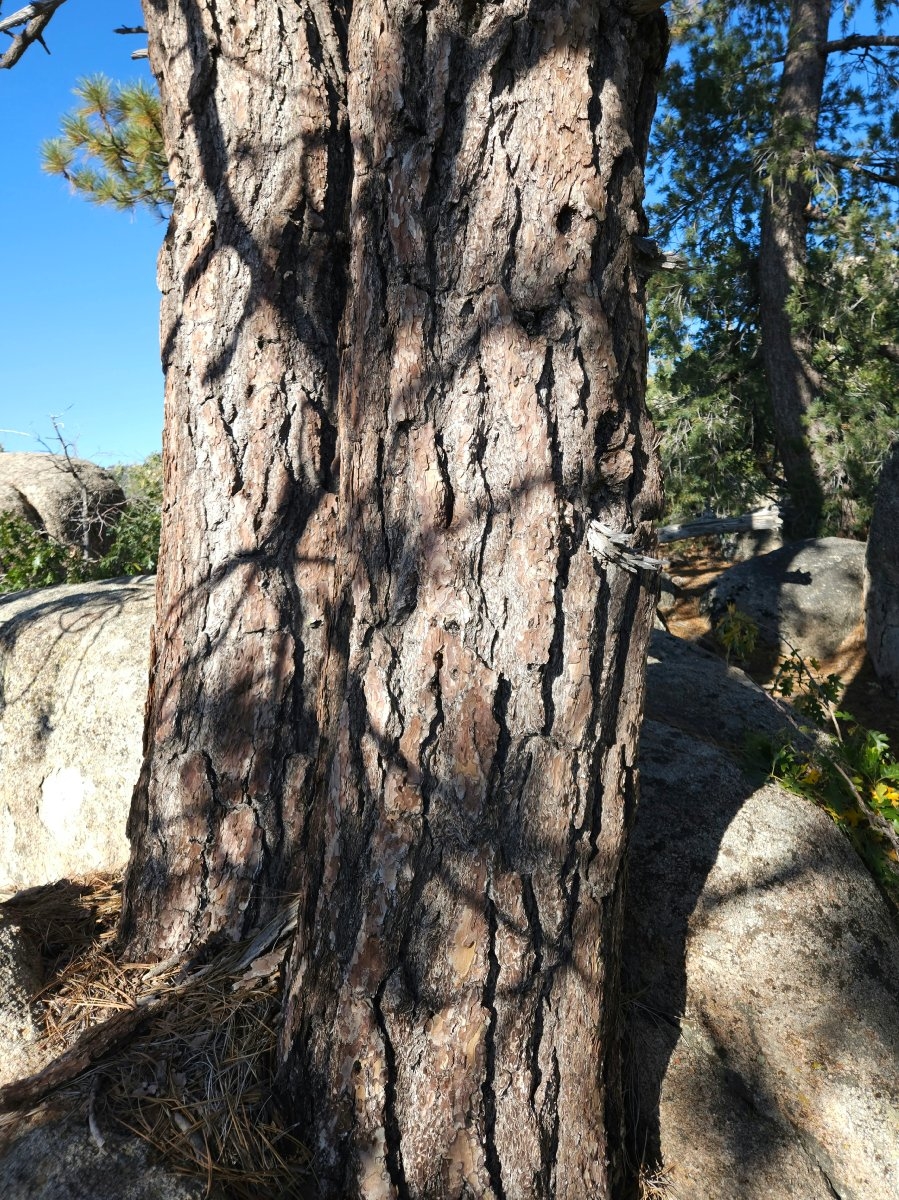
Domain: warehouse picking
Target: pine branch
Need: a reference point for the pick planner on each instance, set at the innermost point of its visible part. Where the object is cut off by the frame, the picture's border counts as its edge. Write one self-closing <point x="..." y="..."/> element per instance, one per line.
<point x="34" y="18"/>
<point x="858" y="41"/>
<point x="880" y="172"/>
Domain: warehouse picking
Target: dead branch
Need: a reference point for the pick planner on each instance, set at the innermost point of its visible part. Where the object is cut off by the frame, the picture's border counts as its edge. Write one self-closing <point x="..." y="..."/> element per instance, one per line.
<point x="762" y="518"/>
<point x="34" y="18"/>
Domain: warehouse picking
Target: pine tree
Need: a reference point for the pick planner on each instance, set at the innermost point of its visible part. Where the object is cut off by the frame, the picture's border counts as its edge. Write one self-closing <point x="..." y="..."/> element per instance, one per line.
<point x="404" y="345"/>
<point x="732" y="160"/>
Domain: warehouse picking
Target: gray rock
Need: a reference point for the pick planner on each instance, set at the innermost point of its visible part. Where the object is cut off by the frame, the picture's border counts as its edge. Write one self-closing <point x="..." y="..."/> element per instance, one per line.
<point x="755" y="542"/>
<point x="61" y="496"/>
<point x="807" y="594"/>
<point x="882" y="563"/>
<point x="73" y="677"/>
<point x="669" y="593"/>
<point x="60" y="1160"/>
<point x="14" y="504"/>
<point x="762" y="965"/>
<point x="692" y="689"/>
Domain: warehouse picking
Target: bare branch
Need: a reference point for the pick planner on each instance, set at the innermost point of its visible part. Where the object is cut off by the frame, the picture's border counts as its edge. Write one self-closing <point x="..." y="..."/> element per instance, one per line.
<point x="762" y="518"/>
<point x="858" y="41"/>
<point x="144" y="53"/>
<point x="34" y="18"/>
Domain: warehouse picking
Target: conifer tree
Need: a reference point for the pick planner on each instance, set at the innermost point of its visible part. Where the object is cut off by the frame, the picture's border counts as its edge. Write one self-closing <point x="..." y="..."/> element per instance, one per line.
<point x="732" y="160"/>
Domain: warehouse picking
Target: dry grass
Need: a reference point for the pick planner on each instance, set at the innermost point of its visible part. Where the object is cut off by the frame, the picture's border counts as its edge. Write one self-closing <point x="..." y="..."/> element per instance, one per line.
<point x="193" y="1074"/>
<point x="654" y="1184"/>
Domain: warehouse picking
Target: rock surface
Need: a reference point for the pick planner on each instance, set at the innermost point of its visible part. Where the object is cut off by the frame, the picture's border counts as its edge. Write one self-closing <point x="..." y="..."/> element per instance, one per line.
<point x="807" y="594"/>
<point x="73" y="674"/>
<point x="690" y="688"/>
<point x="882" y="563"/>
<point x="61" y="496"/>
<point x="763" y="963"/>
<point x="60" y="1160"/>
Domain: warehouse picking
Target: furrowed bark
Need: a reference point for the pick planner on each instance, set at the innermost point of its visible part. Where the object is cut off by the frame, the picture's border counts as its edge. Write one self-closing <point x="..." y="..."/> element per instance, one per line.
<point x="253" y="278"/>
<point x="793" y="383"/>
<point x="449" y="1024"/>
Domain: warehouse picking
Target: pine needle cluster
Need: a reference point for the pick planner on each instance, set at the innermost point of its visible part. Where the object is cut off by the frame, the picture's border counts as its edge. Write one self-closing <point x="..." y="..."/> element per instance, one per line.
<point x="111" y="147"/>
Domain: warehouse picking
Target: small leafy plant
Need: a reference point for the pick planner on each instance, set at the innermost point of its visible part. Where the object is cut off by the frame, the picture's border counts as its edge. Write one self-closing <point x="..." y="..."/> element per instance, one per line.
<point x="30" y="558"/>
<point x="851" y="773"/>
<point x="738" y="633"/>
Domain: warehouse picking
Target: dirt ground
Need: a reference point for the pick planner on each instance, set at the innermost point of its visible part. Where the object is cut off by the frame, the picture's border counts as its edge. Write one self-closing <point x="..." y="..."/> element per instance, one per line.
<point x="695" y="565"/>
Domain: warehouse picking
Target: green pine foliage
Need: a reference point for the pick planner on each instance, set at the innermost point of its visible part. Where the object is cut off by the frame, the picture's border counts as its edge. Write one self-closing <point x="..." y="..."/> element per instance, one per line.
<point x="848" y="301"/>
<point x="712" y="157"/>
<point x="111" y="148"/>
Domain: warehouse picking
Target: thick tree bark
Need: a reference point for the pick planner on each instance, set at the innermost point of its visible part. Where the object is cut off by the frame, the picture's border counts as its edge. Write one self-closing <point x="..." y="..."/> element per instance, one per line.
<point x="793" y="383"/>
<point x="253" y="280"/>
<point x="448" y="1024"/>
<point x="433" y="744"/>
<point x="882" y="578"/>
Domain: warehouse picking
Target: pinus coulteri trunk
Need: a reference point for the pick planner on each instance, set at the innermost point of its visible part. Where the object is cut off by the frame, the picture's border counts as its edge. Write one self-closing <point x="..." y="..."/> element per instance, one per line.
<point x="405" y="363"/>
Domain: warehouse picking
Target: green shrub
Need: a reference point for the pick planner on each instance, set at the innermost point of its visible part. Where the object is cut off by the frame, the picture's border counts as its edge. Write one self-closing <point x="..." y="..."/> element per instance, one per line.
<point x="848" y="771"/>
<point x="30" y="558"/>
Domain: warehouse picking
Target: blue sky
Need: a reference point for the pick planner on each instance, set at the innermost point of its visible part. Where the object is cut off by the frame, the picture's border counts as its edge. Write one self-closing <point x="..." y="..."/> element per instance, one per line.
<point x="79" y="309"/>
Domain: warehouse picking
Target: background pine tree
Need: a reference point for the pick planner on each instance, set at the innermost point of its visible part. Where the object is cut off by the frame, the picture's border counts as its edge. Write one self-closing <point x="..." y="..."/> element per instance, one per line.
<point x="716" y="154"/>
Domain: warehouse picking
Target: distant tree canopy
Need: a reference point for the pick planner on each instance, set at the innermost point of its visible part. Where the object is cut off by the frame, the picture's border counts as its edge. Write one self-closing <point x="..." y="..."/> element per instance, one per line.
<point x="728" y="154"/>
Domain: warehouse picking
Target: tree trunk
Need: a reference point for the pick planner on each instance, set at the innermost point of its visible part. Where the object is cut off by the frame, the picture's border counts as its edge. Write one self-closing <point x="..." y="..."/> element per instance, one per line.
<point x="253" y="274"/>
<point x="793" y="384"/>
<point x="433" y="744"/>
<point x="882" y="578"/>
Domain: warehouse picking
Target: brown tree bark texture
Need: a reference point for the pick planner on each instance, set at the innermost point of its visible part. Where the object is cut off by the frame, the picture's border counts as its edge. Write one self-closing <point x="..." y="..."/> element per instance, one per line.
<point x="793" y="383"/>
<point x="433" y="740"/>
<point x="253" y="281"/>
<point x="450" y="1001"/>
